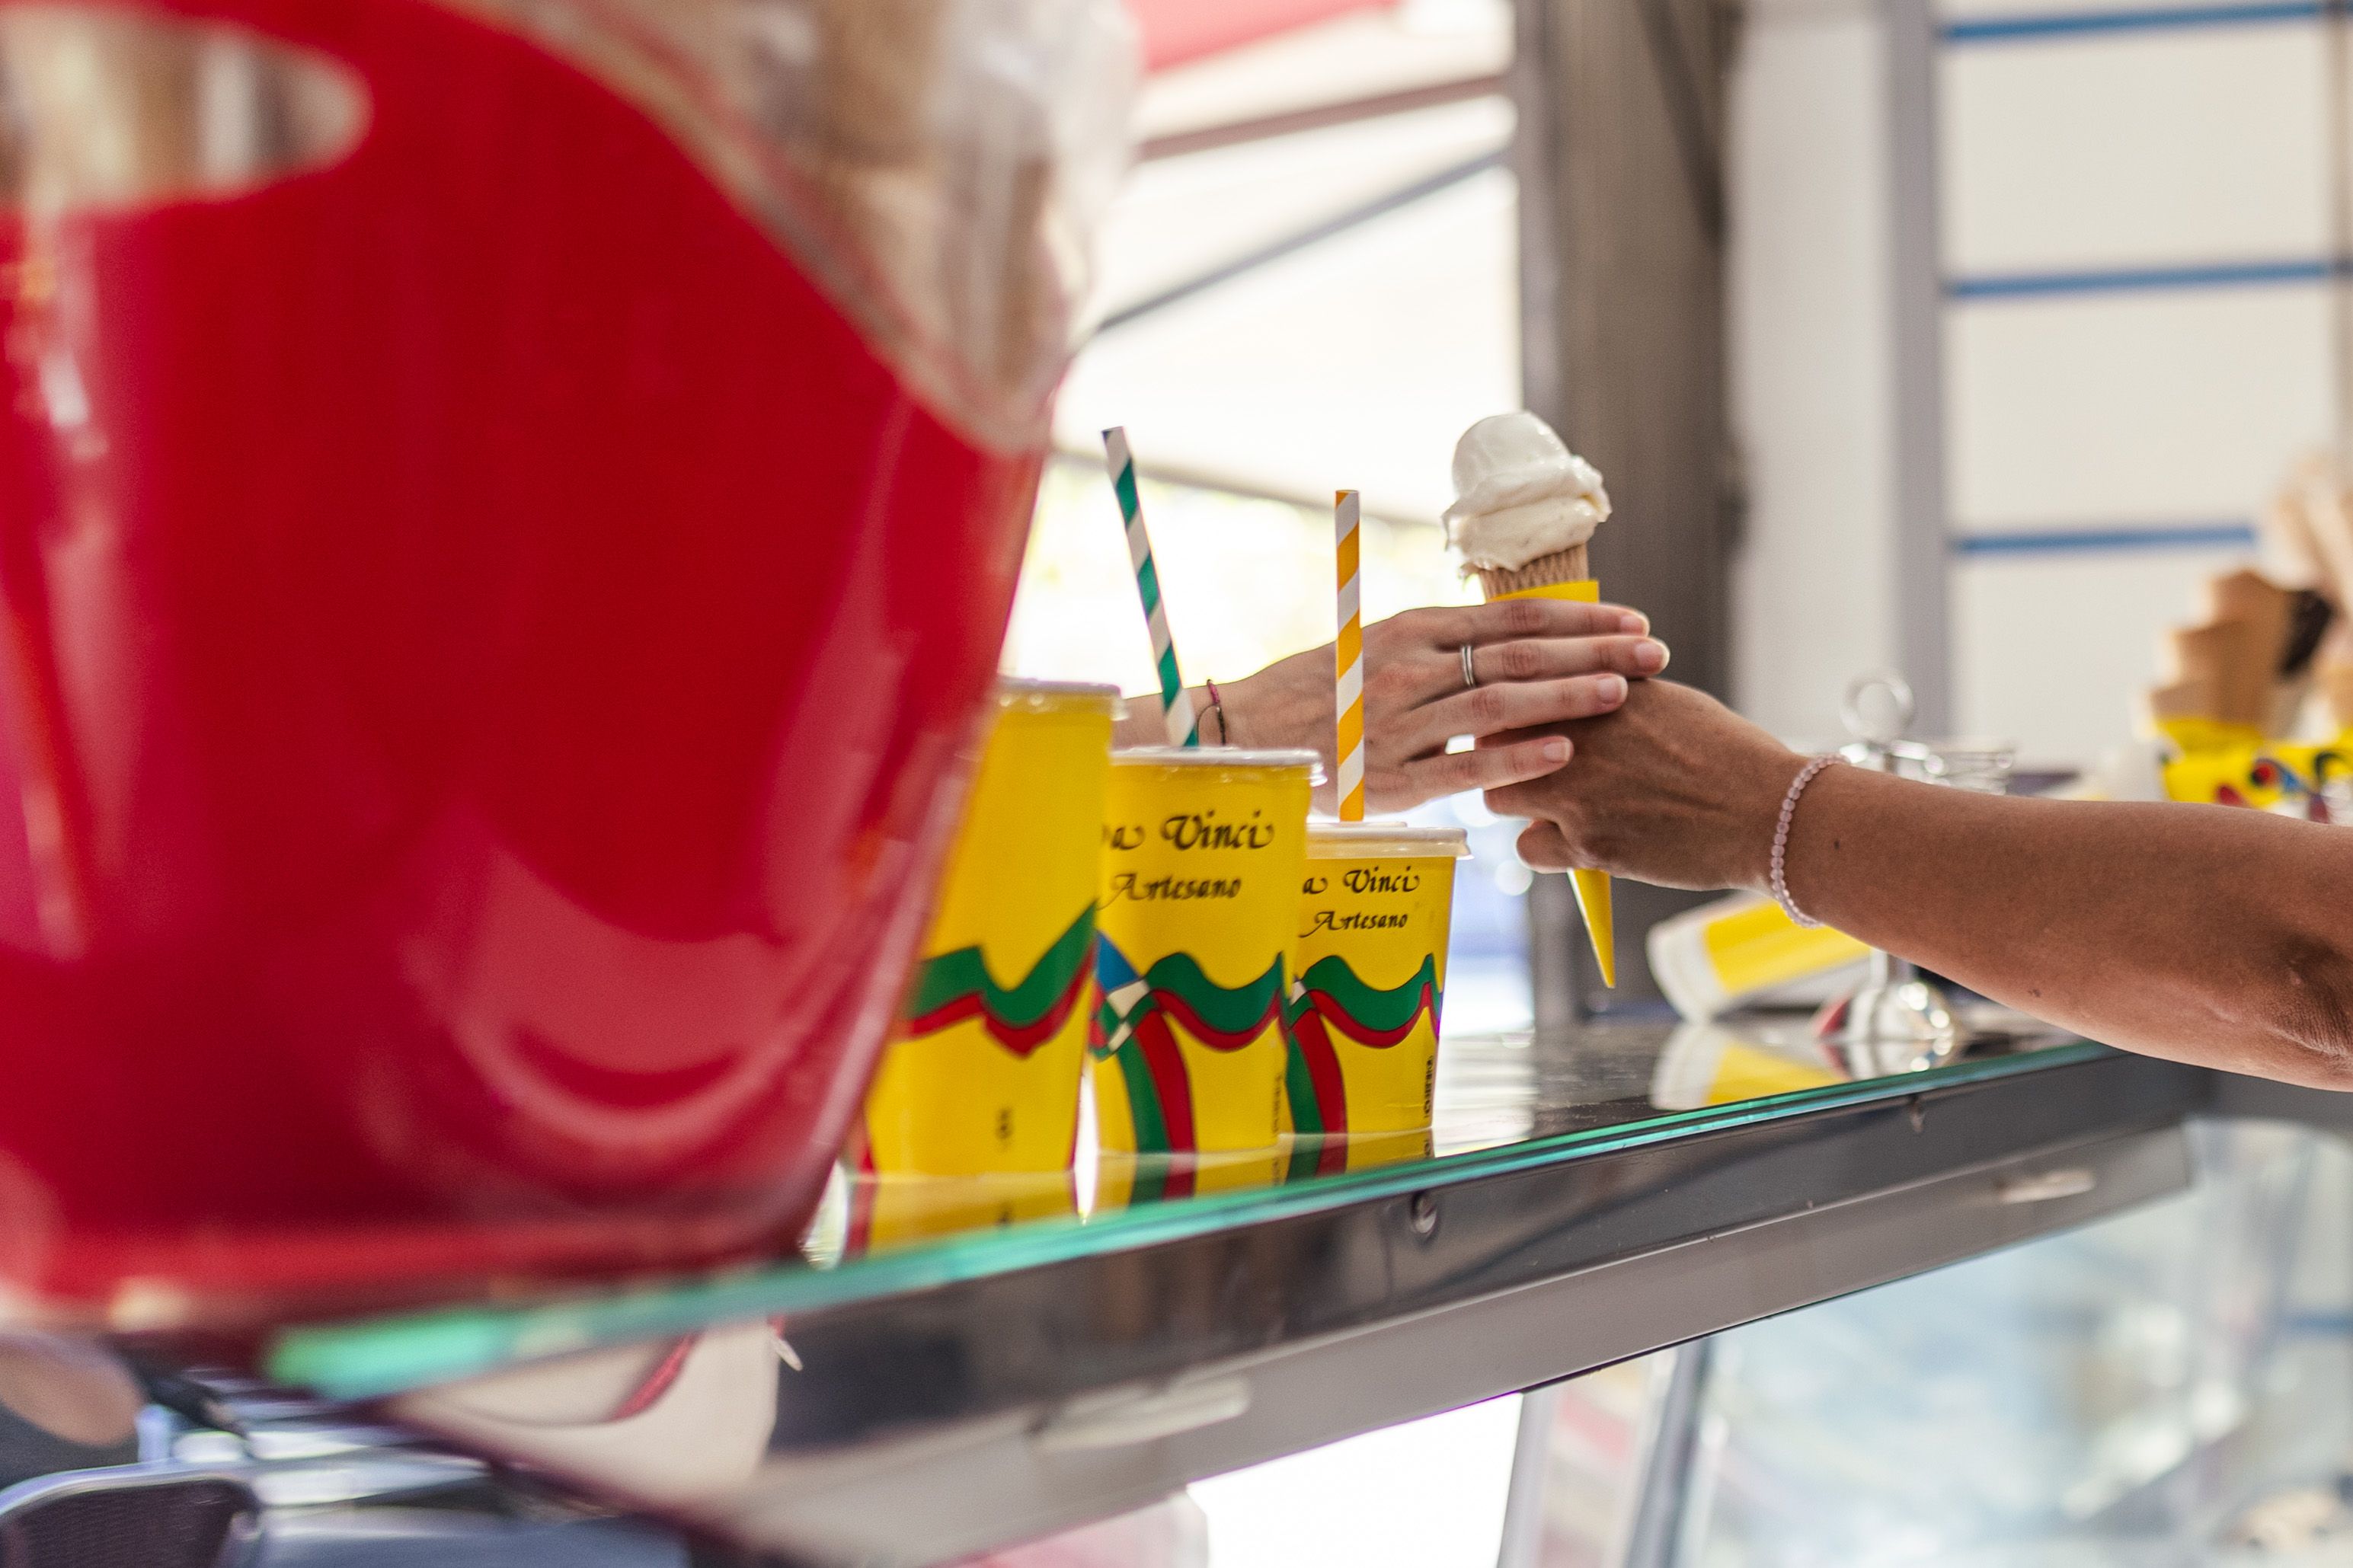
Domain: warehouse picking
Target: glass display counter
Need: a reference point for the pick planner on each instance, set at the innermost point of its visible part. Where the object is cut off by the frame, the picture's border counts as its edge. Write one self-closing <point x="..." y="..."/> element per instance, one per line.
<point x="1583" y="1198"/>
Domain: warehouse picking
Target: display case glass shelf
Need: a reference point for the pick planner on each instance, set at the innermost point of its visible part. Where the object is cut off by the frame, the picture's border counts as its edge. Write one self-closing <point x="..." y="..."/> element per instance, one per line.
<point x="921" y="1393"/>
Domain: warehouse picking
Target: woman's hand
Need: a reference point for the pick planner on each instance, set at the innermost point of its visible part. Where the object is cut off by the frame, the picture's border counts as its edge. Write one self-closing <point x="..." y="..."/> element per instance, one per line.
<point x="1673" y="789"/>
<point x="1540" y="662"/>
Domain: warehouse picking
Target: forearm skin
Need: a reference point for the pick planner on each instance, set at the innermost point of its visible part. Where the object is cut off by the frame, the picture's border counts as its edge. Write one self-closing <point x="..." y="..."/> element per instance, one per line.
<point x="2203" y="934"/>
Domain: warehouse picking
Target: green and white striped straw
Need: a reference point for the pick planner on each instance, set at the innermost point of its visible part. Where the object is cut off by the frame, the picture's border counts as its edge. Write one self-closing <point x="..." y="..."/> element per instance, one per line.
<point x="1175" y="702"/>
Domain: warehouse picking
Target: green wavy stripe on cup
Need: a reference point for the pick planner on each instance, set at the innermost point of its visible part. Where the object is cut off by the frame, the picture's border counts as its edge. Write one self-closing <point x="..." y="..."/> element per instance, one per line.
<point x="1239" y="1012"/>
<point x="954" y="976"/>
<point x="1366" y="1005"/>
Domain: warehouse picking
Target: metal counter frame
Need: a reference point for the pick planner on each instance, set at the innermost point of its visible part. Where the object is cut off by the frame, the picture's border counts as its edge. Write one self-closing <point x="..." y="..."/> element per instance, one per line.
<point x="973" y="1393"/>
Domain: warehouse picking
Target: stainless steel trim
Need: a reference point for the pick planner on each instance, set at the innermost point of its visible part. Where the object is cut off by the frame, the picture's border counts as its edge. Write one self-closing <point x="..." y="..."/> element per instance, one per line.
<point x="2047" y="1186"/>
<point x="930" y="1493"/>
<point x="1125" y="1420"/>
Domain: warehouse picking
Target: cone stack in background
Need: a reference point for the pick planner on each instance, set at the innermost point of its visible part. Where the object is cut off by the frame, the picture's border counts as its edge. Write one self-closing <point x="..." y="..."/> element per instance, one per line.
<point x="2268" y="644"/>
<point x="2226" y="669"/>
<point x="2309" y="532"/>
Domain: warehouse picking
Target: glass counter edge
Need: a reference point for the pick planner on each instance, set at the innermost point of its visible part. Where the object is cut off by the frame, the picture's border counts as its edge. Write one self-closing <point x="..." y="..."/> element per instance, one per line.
<point x="374" y="1358"/>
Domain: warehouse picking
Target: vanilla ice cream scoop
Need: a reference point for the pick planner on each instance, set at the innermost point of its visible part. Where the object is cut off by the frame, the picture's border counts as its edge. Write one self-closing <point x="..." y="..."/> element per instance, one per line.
<point x="1520" y="494"/>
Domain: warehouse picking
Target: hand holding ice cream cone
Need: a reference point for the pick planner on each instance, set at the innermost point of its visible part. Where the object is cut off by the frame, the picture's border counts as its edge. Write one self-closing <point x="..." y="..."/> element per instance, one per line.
<point x="1525" y="510"/>
<point x="1541" y="663"/>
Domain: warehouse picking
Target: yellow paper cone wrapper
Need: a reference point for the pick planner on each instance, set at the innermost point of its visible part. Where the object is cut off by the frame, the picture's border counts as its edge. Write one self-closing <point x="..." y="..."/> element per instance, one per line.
<point x="1592" y="886"/>
<point x="1600" y="921"/>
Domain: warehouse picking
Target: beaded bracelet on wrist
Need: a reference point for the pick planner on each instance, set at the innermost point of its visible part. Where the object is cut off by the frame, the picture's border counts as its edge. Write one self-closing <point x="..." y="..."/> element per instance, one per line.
<point x="1806" y="776"/>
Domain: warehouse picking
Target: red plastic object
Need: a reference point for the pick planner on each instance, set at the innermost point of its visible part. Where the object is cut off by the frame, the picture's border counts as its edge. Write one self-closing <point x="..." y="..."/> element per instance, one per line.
<point x="486" y="643"/>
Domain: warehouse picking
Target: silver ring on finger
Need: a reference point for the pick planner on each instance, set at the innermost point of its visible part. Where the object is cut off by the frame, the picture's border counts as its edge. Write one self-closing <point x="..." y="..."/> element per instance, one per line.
<point x="1470" y="671"/>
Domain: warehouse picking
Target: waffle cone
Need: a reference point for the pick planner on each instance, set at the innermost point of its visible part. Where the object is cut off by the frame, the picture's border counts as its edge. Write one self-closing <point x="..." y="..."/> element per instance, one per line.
<point x="1561" y="566"/>
<point x="2233" y="656"/>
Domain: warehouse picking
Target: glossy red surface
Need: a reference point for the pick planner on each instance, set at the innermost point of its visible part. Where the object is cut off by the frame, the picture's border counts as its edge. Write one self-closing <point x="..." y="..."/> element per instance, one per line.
<point x="481" y="682"/>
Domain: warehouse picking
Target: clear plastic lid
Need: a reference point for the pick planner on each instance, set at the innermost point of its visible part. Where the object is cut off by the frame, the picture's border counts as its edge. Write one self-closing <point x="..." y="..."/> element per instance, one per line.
<point x="1216" y="757"/>
<point x="1352" y="840"/>
<point x="1039" y="694"/>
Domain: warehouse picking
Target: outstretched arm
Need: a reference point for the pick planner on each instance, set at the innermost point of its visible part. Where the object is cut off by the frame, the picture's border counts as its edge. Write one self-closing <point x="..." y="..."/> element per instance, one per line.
<point x="2204" y="934"/>
<point x="1538" y="662"/>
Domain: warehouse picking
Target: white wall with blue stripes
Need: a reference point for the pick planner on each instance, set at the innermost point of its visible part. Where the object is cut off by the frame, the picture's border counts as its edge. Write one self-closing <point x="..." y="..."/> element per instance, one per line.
<point x="1809" y="379"/>
<point x="2134" y="213"/>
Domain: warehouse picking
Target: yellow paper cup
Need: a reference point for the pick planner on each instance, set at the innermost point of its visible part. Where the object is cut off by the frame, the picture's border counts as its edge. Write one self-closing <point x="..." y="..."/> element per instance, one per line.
<point x="984" y="1075"/>
<point x="1709" y="959"/>
<point x="1203" y="850"/>
<point x="1375" y="909"/>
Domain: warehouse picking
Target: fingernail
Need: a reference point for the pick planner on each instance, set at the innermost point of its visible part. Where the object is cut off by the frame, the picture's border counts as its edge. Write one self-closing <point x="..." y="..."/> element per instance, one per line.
<point x="1633" y="622"/>
<point x="1613" y="689"/>
<point x="1555" y="750"/>
<point x="1651" y="656"/>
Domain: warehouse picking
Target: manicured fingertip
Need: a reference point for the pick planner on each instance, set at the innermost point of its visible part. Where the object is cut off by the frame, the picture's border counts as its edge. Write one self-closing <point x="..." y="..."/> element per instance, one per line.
<point x="1610" y="689"/>
<point x="1649" y="657"/>
<point x="1633" y="621"/>
<point x="1554" y="749"/>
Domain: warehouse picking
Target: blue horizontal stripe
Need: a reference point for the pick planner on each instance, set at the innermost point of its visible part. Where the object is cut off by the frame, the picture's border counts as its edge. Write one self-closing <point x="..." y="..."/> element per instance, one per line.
<point x="2085" y="540"/>
<point x="2153" y="18"/>
<point x="2141" y="279"/>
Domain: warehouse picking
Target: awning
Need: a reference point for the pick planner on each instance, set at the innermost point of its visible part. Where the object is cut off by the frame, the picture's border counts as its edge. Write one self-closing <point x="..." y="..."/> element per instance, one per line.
<point x="1176" y="31"/>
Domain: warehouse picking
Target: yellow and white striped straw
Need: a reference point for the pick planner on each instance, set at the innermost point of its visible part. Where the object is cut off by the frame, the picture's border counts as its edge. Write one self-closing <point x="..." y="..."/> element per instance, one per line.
<point x="1348" y="655"/>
